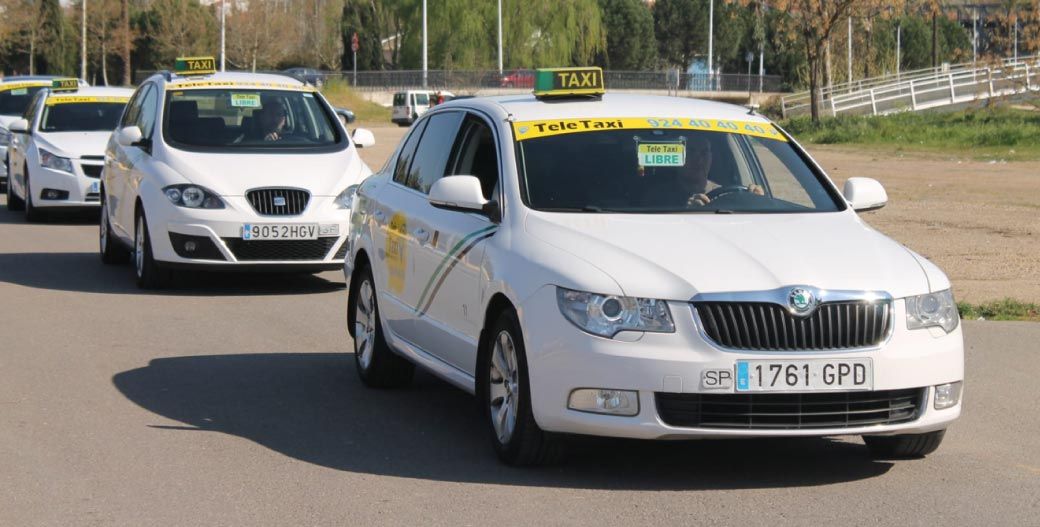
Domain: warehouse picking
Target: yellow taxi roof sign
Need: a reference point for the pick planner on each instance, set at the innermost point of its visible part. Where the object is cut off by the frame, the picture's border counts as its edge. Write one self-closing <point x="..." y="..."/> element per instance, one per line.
<point x="195" y="66"/>
<point x="568" y="82"/>
<point x="65" y="85"/>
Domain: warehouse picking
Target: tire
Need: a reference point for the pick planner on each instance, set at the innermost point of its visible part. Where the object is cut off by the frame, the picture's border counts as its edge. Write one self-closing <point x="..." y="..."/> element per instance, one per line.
<point x="907" y="446"/>
<point x="149" y="274"/>
<point x="14" y="203"/>
<point x="32" y="214"/>
<point x="377" y="365"/>
<point x="112" y="252"/>
<point x="505" y="398"/>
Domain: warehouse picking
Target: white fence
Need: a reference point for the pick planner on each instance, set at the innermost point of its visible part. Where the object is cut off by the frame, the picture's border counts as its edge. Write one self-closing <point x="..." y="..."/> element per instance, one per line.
<point x="922" y="89"/>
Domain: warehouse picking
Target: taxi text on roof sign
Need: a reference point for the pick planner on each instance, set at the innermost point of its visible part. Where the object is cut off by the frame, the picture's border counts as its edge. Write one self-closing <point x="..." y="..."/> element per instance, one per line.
<point x="195" y="65"/>
<point x="65" y="85"/>
<point x="524" y="130"/>
<point x="564" y="82"/>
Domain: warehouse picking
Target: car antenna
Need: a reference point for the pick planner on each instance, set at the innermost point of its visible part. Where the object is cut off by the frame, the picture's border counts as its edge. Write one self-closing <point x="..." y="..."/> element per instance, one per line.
<point x="752" y="107"/>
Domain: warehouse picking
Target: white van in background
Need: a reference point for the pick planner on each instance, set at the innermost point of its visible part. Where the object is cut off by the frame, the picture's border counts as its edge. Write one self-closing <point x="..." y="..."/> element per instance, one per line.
<point x="412" y="104"/>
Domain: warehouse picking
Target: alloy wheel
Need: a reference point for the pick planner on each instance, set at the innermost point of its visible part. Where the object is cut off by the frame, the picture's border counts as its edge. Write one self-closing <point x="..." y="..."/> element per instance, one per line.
<point x="139" y="235"/>
<point x="364" y="324"/>
<point x="504" y="396"/>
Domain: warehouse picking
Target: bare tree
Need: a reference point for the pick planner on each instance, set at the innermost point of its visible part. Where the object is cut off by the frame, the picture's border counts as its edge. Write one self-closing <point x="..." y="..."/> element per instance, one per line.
<point x="259" y="34"/>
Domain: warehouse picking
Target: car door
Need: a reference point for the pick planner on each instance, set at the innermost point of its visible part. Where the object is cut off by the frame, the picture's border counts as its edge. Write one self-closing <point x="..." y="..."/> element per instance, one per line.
<point x="129" y="160"/>
<point x="18" y="150"/>
<point x="390" y="212"/>
<point x="449" y="244"/>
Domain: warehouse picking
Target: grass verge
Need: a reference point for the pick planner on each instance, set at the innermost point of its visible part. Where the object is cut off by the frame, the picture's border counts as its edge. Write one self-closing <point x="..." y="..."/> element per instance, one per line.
<point x="1006" y="309"/>
<point x="987" y="133"/>
<point x="341" y="95"/>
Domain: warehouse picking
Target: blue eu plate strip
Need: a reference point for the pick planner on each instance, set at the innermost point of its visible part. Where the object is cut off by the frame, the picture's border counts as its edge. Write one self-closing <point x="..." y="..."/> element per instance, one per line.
<point x="743" y="383"/>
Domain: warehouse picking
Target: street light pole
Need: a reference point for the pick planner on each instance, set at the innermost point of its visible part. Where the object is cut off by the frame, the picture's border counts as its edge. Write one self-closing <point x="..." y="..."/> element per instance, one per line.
<point x="83" y="45"/>
<point x="424" y="63"/>
<point x="223" y="52"/>
<point x="711" y="42"/>
<point x="899" y="46"/>
<point x="848" y="60"/>
<point x="499" y="38"/>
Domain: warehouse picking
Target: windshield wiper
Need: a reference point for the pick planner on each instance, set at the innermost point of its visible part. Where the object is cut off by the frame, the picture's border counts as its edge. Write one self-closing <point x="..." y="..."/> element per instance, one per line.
<point x="723" y="211"/>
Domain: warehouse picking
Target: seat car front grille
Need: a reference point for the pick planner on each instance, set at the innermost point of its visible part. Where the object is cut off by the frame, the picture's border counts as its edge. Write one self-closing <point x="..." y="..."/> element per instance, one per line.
<point x="770" y="327"/>
<point x="789" y="411"/>
<point x="278" y="201"/>
<point x="275" y="250"/>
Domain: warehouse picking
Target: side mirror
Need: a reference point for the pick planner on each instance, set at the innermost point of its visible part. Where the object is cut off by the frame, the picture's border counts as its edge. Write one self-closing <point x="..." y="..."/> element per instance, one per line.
<point x="345" y="116"/>
<point x="129" y="136"/>
<point x="458" y="193"/>
<point x="363" y="138"/>
<point x="19" y="126"/>
<point x="865" y="194"/>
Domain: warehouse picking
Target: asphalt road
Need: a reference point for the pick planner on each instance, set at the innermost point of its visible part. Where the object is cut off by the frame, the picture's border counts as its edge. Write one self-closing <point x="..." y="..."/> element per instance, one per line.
<point x="233" y="401"/>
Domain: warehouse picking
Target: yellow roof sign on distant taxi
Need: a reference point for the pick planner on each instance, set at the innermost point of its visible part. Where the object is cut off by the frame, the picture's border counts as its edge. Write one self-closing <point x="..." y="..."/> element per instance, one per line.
<point x="568" y="82"/>
<point x="65" y="85"/>
<point x="195" y="65"/>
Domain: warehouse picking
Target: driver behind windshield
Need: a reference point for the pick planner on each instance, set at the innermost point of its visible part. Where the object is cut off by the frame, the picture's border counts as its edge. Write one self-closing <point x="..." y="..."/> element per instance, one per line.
<point x="688" y="186"/>
<point x="269" y="122"/>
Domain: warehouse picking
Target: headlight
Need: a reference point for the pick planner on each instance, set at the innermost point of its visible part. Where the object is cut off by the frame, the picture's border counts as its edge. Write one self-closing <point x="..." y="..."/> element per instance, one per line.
<point x="345" y="200"/>
<point x="606" y="315"/>
<point x="53" y="162"/>
<point x="5" y="137"/>
<point x="933" y="309"/>
<point x="192" y="197"/>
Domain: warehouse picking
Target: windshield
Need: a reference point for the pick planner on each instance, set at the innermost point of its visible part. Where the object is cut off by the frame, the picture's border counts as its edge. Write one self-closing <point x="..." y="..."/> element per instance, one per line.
<point x="81" y="117"/>
<point x="240" y="120"/>
<point x="13" y="102"/>
<point x="653" y="170"/>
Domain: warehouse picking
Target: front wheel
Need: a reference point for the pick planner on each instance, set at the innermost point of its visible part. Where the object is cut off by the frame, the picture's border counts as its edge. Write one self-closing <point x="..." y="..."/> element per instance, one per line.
<point x="907" y="446"/>
<point x="377" y="365"/>
<point x="149" y="274"/>
<point x="111" y="252"/>
<point x="14" y="203"/>
<point x="32" y="214"/>
<point x="506" y="399"/>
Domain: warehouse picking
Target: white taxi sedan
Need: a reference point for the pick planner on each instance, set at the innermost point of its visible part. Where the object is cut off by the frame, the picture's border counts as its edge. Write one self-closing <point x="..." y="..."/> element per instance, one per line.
<point x="644" y="267"/>
<point x="16" y="93"/>
<point x="57" y="149"/>
<point x="228" y="171"/>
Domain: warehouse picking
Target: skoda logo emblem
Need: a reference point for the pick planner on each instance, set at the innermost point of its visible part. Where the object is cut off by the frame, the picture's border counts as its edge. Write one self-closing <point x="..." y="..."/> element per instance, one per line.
<point x="801" y="301"/>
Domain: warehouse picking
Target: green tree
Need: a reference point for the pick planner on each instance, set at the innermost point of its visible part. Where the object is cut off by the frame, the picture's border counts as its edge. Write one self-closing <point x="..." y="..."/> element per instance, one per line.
<point x="630" y="35"/>
<point x="55" y="40"/>
<point x="681" y="27"/>
<point x="363" y="17"/>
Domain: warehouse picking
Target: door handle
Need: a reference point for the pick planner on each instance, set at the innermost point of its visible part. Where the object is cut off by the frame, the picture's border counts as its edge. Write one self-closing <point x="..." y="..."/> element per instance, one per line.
<point x="421" y="235"/>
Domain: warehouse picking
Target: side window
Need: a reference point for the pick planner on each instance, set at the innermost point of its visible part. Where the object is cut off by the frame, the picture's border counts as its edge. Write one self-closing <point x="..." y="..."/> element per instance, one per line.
<point x="404" y="159"/>
<point x="782" y="180"/>
<point x="477" y="155"/>
<point x="31" y="108"/>
<point x="431" y="157"/>
<point x="133" y="108"/>
<point x="149" y="109"/>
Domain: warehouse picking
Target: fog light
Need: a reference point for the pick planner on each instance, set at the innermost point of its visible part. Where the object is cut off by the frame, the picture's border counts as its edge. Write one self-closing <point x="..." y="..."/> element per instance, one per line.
<point x="947" y="395"/>
<point x="190" y="246"/>
<point x="604" y="401"/>
<point x="54" y="194"/>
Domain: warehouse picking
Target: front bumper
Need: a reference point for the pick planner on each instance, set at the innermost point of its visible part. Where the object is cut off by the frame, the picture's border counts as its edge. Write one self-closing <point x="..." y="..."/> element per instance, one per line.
<point x="83" y="190"/>
<point x="216" y="237"/>
<point x="562" y="358"/>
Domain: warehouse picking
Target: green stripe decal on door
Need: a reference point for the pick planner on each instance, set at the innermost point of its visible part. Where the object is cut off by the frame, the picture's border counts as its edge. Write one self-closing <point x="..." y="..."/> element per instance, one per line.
<point x="455" y="254"/>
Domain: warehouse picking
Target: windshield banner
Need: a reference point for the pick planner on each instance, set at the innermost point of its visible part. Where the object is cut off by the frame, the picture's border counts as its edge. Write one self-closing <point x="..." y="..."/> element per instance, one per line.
<point x="524" y="130"/>
<point x="190" y="85"/>
<point x="9" y="86"/>
<point x="81" y="99"/>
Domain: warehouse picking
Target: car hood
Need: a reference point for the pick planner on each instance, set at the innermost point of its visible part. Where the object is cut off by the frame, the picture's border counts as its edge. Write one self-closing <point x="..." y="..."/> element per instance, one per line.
<point x="676" y="256"/>
<point x="74" y="144"/>
<point x="235" y="174"/>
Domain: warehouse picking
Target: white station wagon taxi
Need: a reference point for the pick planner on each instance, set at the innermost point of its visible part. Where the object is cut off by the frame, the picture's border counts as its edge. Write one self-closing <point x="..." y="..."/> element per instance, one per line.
<point x="644" y="267"/>
<point x="57" y="149"/>
<point x="226" y="171"/>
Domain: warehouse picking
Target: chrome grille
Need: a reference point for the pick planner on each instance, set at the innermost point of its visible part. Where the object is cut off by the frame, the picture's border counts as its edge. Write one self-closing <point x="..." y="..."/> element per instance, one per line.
<point x="278" y="201"/>
<point x="790" y="411"/>
<point x="771" y="327"/>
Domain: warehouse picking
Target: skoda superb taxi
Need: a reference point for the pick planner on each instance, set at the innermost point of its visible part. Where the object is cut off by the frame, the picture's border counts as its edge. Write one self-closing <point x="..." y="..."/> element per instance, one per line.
<point x="56" y="150"/>
<point x="644" y="267"/>
<point x="226" y="171"/>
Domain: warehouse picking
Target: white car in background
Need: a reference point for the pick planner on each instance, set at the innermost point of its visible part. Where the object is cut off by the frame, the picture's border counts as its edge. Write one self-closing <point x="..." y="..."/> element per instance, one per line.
<point x="57" y="149"/>
<point x="228" y="171"/>
<point x="644" y="267"/>
<point x="15" y="94"/>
